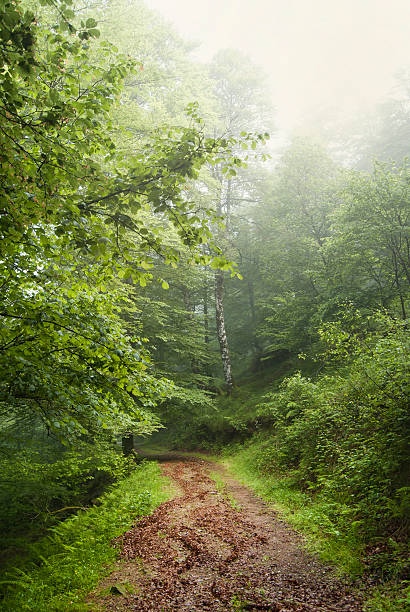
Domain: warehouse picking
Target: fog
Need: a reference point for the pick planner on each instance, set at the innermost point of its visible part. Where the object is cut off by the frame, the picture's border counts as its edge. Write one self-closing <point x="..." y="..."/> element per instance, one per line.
<point x="318" y="55"/>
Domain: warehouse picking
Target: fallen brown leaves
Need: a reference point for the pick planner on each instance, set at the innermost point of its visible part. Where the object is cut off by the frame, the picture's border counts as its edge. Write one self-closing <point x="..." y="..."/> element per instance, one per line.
<point x="196" y="552"/>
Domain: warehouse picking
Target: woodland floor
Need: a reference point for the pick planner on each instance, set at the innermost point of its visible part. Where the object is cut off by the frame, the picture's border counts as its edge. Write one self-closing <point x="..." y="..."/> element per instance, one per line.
<point x="198" y="552"/>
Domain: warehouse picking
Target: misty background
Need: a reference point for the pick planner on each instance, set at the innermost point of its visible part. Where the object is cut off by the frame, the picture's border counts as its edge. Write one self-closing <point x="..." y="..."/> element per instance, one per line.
<point x="321" y="57"/>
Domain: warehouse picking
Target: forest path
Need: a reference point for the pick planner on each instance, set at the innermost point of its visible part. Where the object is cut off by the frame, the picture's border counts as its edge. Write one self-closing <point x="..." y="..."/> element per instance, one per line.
<point x="198" y="552"/>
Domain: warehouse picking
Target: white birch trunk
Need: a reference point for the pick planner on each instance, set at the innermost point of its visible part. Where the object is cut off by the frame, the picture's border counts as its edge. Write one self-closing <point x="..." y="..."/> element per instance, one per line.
<point x="220" y="329"/>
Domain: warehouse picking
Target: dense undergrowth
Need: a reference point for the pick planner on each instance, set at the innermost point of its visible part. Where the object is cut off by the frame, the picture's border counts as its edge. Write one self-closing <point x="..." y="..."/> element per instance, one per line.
<point x="42" y="486"/>
<point x="60" y="569"/>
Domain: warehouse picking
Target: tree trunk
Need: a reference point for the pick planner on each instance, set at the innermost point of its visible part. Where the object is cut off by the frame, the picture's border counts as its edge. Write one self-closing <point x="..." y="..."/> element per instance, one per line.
<point x="397" y="281"/>
<point x="191" y="310"/>
<point x="206" y="320"/>
<point x="220" y="328"/>
<point x="127" y="444"/>
<point x="251" y="295"/>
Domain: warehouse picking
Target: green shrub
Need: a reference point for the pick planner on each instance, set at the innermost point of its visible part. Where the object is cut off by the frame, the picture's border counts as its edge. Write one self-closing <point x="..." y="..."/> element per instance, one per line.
<point x="35" y="491"/>
<point x="345" y="436"/>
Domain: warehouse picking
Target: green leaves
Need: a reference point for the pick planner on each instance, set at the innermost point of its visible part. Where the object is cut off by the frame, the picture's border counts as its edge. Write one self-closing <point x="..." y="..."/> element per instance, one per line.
<point x="78" y="220"/>
<point x="90" y="23"/>
<point x="62" y="344"/>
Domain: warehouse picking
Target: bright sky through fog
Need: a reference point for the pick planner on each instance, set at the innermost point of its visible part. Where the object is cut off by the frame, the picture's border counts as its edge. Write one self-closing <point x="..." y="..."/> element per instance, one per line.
<point x="341" y="54"/>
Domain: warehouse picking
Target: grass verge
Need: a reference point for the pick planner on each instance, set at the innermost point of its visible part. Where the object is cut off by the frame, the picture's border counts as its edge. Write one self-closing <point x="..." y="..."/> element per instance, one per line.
<point x="65" y="566"/>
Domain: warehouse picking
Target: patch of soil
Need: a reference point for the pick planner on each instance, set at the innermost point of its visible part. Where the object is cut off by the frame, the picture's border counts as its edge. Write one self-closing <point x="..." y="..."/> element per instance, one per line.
<point x="196" y="552"/>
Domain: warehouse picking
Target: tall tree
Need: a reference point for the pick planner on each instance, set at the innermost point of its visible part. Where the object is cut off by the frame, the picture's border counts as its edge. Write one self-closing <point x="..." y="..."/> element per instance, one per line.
<point x="242" y="103"/>
<point x="370" y="245"/>
<point x="294" y="224"/>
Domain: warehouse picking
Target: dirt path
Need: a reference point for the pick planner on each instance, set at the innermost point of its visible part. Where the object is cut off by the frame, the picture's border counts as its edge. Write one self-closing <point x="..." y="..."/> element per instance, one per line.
<point x="197" y="552"/>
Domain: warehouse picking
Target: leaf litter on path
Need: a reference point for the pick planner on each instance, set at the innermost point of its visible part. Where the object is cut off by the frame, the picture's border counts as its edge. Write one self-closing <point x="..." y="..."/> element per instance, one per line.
<point x="197" y="552"/>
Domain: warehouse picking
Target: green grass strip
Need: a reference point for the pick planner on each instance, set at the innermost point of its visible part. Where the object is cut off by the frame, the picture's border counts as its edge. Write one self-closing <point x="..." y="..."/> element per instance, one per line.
<point x="68" y="564"/>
